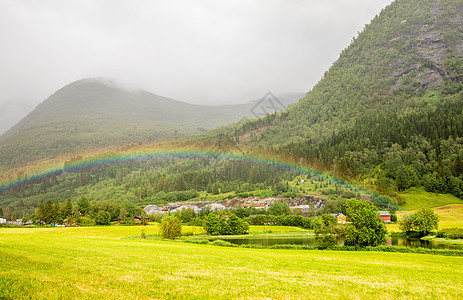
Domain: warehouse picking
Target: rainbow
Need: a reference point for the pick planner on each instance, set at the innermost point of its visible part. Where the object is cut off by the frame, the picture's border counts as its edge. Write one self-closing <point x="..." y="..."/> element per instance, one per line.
<point x="140" y="156"/>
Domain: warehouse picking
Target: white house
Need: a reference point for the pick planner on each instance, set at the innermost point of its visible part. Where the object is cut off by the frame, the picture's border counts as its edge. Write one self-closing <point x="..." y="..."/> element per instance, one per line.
<point x="216" y="207"/>
<point x="2" y="220"/>
<point x="305" y="208"/>
<point x="153" y="210"/>
<point x="194" y="207"/>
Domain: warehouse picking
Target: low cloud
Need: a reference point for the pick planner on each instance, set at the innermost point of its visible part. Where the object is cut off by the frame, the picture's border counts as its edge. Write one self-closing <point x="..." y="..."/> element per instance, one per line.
<point x="205" y="52"/>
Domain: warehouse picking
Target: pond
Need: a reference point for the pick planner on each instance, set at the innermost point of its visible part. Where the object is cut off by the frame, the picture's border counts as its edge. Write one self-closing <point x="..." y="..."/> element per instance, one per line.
<point x="312" y="241"/>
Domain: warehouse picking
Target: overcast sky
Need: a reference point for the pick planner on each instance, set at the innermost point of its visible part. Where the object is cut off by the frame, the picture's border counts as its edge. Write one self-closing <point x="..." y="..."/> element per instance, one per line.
<point x="207" y="52"/>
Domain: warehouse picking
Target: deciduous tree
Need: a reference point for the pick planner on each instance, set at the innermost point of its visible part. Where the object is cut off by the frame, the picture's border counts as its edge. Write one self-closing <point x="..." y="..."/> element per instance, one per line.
<point x="171" y="227"/>
<point x="366" y="227"/>
<point x="279" y="208"/>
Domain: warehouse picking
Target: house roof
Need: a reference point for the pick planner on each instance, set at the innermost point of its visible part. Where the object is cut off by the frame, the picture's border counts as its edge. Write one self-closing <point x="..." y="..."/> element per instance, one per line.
<point x="216" y="206"/>
<point x="384" y="213"/>
<point x="337" y="215"/>
<point x="2" y="218"/>
<point x="194" y="207"/>
<point x="152" y="209"/>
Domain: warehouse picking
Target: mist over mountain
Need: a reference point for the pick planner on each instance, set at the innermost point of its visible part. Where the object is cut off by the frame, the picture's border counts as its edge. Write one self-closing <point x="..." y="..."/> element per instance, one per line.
<point x="96" y="112"/>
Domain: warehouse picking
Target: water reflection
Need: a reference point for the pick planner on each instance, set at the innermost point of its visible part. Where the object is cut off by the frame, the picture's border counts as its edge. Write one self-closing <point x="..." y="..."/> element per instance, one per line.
<point x="417" y="243"/>
<point x="312" y="241"/>
<point x="270" y="241"/>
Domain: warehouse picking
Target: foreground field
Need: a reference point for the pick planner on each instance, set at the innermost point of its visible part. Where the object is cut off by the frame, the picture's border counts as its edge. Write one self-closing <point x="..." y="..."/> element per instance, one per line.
<point x="95" y="263"/>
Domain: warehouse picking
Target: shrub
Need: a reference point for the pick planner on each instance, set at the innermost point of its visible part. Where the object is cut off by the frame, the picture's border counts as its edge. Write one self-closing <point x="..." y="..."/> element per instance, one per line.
<point x="280" y="208"/>
<point x="103" y="218"/>
<point x="85" y="221"/>
<point x="422" y="222"/>
<point x="225" y="223"/>
<point x="450" y="233"/>
<point x="212" y="225"/>
<point x="171" y="228"/>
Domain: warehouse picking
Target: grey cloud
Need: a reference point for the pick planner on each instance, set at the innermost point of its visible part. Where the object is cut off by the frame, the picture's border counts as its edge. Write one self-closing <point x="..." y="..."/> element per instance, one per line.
<point x="210" y="52"/>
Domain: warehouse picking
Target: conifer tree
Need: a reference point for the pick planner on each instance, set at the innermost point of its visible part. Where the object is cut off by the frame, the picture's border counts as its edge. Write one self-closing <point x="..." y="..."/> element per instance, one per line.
<point x="83" y="205"/>
<point x="40" y="210"/>
<point x="67" y="209"/>
<point x="48" y="212"/>
<point x="56" y="214"/>
<point x="123" y="215"/>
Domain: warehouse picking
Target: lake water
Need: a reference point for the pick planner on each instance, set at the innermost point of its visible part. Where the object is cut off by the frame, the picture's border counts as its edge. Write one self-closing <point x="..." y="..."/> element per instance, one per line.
<point x="312" y="241"/>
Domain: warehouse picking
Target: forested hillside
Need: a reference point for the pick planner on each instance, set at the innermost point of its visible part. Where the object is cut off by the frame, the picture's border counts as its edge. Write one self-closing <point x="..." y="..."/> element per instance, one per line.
<point x="165" y="181"/>
<point x="389" y="110"/>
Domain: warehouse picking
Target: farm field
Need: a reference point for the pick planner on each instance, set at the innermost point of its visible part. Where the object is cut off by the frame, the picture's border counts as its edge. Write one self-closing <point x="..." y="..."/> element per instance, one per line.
<point x="450" y="216"/>
<point x="416" y="198"/>
<point x="98" y="263"/>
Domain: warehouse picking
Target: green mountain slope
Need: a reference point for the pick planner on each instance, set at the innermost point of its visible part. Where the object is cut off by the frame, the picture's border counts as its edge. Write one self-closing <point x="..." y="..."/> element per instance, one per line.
<point x="388" y="112"/>
<point x="94" y="113"/>
<point x="412" y="47"/>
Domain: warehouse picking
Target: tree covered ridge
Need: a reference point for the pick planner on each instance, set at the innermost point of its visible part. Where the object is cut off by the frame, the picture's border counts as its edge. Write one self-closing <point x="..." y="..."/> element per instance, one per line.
<point x="389" y="63"/>
<point x="388" y="110"/>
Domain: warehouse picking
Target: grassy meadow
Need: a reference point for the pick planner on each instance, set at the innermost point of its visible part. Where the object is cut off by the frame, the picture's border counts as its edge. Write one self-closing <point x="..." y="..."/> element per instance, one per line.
<point x="448" y="207"/>
<point x="416" y="198"/>
<point x="450" y="216"/>
<point x="99" y="263"/>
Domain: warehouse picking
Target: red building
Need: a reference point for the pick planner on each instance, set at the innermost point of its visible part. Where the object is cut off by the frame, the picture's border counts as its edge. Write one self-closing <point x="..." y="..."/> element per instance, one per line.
<point x="385" y="215"/>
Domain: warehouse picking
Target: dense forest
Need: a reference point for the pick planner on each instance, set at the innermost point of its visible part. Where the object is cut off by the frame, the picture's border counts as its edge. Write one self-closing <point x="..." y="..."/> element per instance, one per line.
<point x="158" y="183"/>
<point x="176" y="180"/>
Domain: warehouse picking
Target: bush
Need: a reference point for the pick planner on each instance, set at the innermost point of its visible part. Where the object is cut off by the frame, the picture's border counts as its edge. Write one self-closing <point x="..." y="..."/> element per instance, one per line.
<point x="264" y="220"/>
<point x="451" y="233"/>
<point x="225" y="223"/>
<point x="103" y="218"/>
<point x="421" y="223"/>
<point x="171" y="228"/>
<point x="213" y="225"/>
<point x="280" y="208"/>
<point x="85" y="221"/>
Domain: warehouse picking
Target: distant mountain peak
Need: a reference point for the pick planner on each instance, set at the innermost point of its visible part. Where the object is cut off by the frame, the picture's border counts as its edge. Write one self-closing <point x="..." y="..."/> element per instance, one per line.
<point x="103" y="81"/>
<point x="100" y="112"/>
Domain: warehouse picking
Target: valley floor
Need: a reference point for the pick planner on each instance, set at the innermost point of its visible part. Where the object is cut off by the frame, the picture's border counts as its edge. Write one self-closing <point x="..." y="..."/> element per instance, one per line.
<point x="98" y="263"/>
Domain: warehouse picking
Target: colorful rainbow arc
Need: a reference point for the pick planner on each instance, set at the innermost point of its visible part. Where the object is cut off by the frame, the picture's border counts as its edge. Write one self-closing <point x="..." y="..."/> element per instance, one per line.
<point x="146" y="156"/>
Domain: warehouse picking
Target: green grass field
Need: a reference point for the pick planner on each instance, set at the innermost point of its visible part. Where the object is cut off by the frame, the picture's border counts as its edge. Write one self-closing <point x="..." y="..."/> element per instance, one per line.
<point x="417" y="198"/>
<point x="98" y="263"/>
<point x="450" y="216"/>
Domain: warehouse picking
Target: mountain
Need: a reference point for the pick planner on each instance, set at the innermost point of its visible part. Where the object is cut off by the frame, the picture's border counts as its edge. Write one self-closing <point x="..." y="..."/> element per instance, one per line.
<point x="388" y="114"/>
<point x="389" y="111"/>
<point x="94" y="113"/>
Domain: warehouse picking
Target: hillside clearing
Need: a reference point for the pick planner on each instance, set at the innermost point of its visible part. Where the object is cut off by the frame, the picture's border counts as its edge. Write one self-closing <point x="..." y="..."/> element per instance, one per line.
<point x="416" y="198"/>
